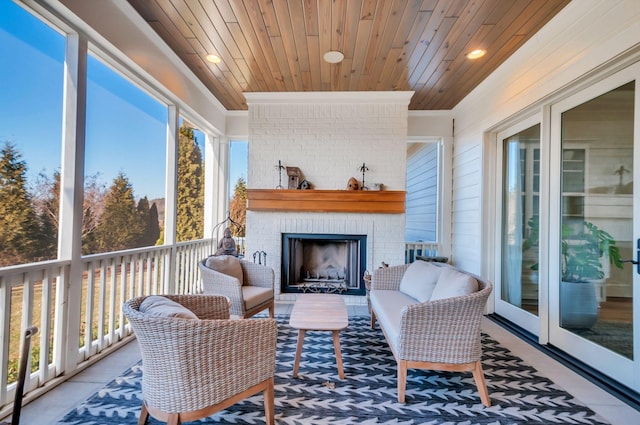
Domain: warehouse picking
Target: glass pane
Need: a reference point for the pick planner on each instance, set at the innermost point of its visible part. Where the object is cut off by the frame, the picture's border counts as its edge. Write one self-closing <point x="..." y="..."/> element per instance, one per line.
<point x="238" y="168"/>
<point x="190" y="201"/>
<point x="31" y="77"/>
<point x="520" y="219"/>
<point x="125" y="162"/>
<point x="597" y="206"/>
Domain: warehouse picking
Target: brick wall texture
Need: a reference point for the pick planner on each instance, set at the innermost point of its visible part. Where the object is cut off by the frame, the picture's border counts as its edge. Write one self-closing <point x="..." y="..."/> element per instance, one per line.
<point x="328" y="142"/>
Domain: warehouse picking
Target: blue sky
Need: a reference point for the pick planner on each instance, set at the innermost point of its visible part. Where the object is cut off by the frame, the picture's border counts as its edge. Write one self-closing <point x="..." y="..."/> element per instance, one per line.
<point x="125" y="126"/>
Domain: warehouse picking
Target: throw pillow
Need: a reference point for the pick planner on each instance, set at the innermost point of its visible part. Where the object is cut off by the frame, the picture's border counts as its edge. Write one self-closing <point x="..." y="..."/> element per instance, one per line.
<point x="157" y="305"/>
<point x="226" y="264"/>
<point x="453" y="283"/>
<point x="419" y="280"/>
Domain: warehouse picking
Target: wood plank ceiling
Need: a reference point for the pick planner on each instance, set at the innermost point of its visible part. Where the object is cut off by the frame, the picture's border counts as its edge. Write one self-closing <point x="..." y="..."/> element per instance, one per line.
<point x="278" y="45"/>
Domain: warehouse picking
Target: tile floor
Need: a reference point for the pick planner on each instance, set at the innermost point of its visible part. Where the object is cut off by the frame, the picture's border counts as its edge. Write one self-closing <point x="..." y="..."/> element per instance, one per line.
<point x="51" y="407"/>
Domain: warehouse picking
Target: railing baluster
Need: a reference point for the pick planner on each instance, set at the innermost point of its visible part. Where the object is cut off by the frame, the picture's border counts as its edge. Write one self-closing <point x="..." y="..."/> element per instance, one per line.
<point x="108" y="280"/>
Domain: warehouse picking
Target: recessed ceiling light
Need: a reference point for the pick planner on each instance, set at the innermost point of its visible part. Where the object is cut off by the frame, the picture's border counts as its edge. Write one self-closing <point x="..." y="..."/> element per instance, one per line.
<point x="213" y="58"/>
<point x="475" y="54"/>
<point x="333" y="56"/>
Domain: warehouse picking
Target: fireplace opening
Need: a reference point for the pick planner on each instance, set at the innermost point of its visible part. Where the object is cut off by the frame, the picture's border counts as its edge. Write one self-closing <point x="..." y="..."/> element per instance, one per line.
<point x="325" y="263"/>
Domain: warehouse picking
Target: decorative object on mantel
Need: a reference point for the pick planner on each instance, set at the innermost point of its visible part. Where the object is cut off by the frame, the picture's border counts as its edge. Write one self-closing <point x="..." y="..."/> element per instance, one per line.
<point x="261" y="255"/>
<point x="353" y="184"/>
<point x="224" y="246"/>
<point x="294" y="174"/>
<point x="364" y="169"/>
<point x="304" y="185"/>
<point x="377" y="186"/>
<point x="280" y="167"/>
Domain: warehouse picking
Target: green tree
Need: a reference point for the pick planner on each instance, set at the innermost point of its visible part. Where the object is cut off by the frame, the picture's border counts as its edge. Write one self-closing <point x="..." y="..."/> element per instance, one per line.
<point x="149" y="221"/>
<point x="238" y="207"/>
<point x="19" y="227"/>
<point x="46" y="201"/>
<point x="190" y="199"/>
<point x="120" y="226"/>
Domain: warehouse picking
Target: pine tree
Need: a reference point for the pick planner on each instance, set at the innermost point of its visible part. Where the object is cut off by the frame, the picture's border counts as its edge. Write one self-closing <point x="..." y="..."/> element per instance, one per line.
<point x="190" y="199"/>
<point x="149" y="222"/>
<point x="238" y="207"/>
<point x="19" y="229"/>
<point x="119" y="227"/>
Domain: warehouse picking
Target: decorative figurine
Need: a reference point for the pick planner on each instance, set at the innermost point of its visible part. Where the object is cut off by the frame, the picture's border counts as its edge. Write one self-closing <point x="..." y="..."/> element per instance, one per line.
<point x="227" y="245"/>
<point x="364" y="169"/>
<point x="304" y="185"/>
<point x="353" y="184"/>
<point x="280" y="167"/>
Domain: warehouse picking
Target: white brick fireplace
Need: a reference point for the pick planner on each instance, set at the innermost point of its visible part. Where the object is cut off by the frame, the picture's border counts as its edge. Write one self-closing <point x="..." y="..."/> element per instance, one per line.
<point x="328" y="136"/>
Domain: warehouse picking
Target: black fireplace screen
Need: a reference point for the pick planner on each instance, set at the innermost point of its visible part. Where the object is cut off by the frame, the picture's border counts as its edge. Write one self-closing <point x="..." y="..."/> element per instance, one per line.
<point x="323" y="263"/>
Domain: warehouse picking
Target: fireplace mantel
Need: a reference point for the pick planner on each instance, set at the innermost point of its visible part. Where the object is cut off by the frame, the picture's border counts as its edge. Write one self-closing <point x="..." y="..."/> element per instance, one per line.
<point x="347" y="201"/>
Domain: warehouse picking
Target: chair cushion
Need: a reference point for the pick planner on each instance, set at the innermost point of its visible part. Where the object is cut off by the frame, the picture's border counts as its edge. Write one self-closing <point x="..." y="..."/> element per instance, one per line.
<point x="226" y="264"/>
<point x="157" y="305"/>
<point x="419" y="280"/>
<point x="255" y="295"/>
<point x="388" y="308"/>
<point x="453" y="283"/>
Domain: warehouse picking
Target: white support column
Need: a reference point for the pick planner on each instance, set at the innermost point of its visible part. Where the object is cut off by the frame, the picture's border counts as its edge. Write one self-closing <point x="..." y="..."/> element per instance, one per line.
<point x="68" y="310"/>
<point x="170" y="210"/>
<point x="445" y="187"/>
<point x="223" y="179"/>
<point x="211" y="189"/>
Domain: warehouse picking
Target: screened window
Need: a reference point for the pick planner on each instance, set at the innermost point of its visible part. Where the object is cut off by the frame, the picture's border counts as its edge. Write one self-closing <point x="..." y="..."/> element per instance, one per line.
<point x="31" y="77"/>
<point x="125" y="163"/>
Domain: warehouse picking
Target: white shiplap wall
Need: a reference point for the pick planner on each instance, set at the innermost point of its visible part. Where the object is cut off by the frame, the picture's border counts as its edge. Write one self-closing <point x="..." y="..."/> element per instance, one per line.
<point x="422" y="193"/>
<point x="584" y="35"/>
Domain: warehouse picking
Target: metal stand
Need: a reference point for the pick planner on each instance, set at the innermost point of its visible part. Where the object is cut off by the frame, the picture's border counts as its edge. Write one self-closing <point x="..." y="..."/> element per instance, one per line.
<point x="22" y="375"/>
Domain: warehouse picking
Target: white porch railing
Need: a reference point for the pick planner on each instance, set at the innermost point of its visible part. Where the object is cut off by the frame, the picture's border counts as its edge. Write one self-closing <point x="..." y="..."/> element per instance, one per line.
<point x="43" y="294"/>
<point x="425" y="249"/>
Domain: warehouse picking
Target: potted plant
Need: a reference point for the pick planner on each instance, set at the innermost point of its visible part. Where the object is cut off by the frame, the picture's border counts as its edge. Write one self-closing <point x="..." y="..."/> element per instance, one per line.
<point x="583" y="247"/>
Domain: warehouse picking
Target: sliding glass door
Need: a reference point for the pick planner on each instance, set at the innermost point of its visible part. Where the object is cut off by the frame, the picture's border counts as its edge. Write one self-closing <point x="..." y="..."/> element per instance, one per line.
<point x="518" y="291"/>
<point x="568" y="225"/>
<point x="593" y="308"/>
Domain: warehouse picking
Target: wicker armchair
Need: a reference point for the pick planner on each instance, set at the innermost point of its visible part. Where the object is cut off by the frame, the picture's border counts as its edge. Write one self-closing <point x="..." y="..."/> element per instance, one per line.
<point x="442" y="334"/>
<point x="194" y="368"/>
<point x="247" y="298"/>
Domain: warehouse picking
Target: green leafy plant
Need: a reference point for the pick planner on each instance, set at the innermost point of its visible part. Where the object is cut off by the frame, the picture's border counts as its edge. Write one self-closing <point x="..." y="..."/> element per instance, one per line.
<point x="582" y="250"/>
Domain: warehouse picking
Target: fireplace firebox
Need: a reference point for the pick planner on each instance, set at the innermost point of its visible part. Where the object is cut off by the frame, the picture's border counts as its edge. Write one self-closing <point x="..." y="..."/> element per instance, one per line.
<point x="326" y="263"/>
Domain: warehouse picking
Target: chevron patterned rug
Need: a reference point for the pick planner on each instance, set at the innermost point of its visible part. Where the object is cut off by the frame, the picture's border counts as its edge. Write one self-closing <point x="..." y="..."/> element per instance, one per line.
<point x="367" y="395"/>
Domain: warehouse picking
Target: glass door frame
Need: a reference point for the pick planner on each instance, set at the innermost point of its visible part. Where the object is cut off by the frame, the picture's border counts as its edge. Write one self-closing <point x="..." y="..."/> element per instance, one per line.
<point x="618" y="367"/>
<point x="526" y="320"/>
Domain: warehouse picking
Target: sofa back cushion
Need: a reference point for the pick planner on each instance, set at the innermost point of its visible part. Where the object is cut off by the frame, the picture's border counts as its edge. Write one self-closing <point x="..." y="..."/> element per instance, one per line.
<point x="453" y="283"/>
<point x="159" y="306"/>
<point x="419" y="280"/>
<point x="226" y="264"/>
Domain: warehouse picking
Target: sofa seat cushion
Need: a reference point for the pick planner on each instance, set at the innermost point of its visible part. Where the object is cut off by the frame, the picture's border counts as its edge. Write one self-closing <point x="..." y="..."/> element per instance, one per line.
<point x="453" y="283"/>
<point x="159" y="306"/>
<point x="253" y="296"/>
<point x="226" y="264"/>
<point x="388" y="309"/>
<point x="419" y="280"/>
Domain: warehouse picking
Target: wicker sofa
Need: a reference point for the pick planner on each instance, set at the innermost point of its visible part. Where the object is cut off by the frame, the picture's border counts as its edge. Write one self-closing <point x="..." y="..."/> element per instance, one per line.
<point x="430" y="314"/>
